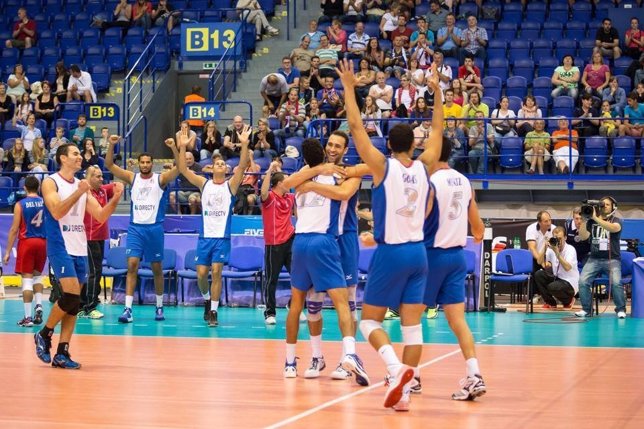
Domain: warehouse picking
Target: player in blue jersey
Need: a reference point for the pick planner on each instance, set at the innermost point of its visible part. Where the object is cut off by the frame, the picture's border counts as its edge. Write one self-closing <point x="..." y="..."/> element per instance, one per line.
<point x="145" y="235"/>
<point x="400" y="194"/>
<point x="66" y="201"/>
<point x="28" y="226"/>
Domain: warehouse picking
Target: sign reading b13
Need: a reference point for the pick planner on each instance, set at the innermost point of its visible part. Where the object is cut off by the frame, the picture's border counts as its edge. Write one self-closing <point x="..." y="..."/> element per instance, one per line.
<point x="210" y="39"/>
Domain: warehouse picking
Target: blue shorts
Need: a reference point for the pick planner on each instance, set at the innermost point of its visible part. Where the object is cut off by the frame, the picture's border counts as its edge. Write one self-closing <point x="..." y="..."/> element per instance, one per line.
<point x="212" y="250"/>
<point x="397" y="275"/>
<point x="446" y="279"/>
<point x="316" y="262"/>
<point x="349" y="253"/>
<point x="145" y="242"/>
<point x="65" y="265"/>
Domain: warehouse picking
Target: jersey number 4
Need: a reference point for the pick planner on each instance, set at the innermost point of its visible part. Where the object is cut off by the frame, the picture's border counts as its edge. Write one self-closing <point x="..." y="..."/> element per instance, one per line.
<point x="37" y="220"/>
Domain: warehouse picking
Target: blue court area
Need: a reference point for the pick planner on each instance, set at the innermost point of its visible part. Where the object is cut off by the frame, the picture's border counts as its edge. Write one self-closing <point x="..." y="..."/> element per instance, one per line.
<point x="513" y="328"/>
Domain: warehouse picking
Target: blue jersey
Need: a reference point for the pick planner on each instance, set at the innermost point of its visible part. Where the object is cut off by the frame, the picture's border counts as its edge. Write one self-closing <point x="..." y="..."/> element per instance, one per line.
<point x="32" y="224"/>
<point x="349" y="215"/>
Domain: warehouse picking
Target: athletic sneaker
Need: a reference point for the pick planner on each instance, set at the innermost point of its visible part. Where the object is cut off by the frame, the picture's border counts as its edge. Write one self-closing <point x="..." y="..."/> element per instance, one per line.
<point x="206" y="309"/>
<point x="26" y="322"/>
<point x="432" y="313"/>
<point x="582" y="313"/>
<point x="397" y="384"/>
<point x="391" y="314"/>
<point x="212" y="319"/>
<point x="472" y="387"/>
<point x="317" y="365"/>
<point x="303" y="316"/>
<point x="95" y="314"/>
<point x="340" y="373"/>
<point x="126" y="317"/>
<point x="416" y="387"/>
<point x="270" y="320"/>
<point x="43" y="347"/>
<point x="273" y="31"/>
<point x="64" y="360"/>
<point x="38" y="315"/>
<point x="403" y="404"/>
<point x="290" y="369"/>
<point x="81" y="314"/>
<point x="621" y="315"/>
<point x="353" y="364"/>
<point x="158" y="314"/>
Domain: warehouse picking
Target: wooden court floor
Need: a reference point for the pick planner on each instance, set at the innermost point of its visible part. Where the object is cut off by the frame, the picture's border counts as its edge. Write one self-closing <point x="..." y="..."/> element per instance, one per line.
<point x="539" y="375"/>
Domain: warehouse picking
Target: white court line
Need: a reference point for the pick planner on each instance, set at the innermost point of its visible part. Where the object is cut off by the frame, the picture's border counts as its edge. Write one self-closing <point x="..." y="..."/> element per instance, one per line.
<point x="351" y="395"/>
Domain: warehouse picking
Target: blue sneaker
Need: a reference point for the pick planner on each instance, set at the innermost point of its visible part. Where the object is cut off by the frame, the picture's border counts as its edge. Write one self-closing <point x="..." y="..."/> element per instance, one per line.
<point x="64" y="361"/>
<point x="126" y="317"/>
<point x="158" y="314"/>
<point x="43" y="347"/>
<point x="353" y="364"/>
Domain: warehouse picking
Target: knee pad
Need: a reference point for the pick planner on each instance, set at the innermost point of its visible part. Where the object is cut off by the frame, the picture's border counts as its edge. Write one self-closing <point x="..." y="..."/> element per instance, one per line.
<point x="27" y="284"/>
<point x="39" y="280"/>
<point x="368" y="326"/>
<point x="313" y="309"/>
<point x="69" y="303"/>
<point x="412" y="335"/>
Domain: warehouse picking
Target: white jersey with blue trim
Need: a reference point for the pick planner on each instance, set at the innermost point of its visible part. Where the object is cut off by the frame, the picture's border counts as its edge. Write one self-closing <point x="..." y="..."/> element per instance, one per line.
<point x="67" y="234"/>
<point x="399" y="203"/>
<point x="316" y="213"/>
<point x="216" y="209"/>
<point x="348" y="220"/>
<point x="148" y="200"/>
<point x="446" y="225"/>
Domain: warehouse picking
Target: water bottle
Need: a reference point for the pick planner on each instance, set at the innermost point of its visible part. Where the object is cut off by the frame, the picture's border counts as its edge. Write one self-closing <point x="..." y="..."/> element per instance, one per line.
<point x="516" y="242"/>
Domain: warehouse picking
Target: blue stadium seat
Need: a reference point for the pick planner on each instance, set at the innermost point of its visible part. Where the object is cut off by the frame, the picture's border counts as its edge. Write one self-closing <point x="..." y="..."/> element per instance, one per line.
<point x="41" y="124"/>
<point x="558" y="12"/>
<point x="101" y="75"/>
<point x="161" y="60"/>
<point x="498" y="67"/>
<point x="489" y="25"/>
<point x="524" y="67"/>
<point x="50" y="56"/>
<point x="116" y="58"/>
<point x="135" y="60"/>
<point x="624" y="82"/>
<point x="32" y="7"/>
<point x="552" y="31"/>
<point x="576" y="30"/>
<point x="35" y="72"/>
<point x="506" y="31"/>
<point x="542" y="103"/>
<point x="42" y="21"/>
<point x="512" y="12"/>
<point x="516" y="86"/>
<point x="530" y="30"/>
<point x="466" y="9"/>
<point x="9" y="58"/>
<point x="52" y="7"/>
<point x="542" y="86"/>
<point x="47" y="39"/>
<point x="541" y="48"/>
<point x="497" y="49"/>
<point x="535" y="12"/>
<point x="75" y="7"/>
<point x="60" y="22"/>
<point x="519" y="49"/>
<point x="565" y="47"/>
<point x="159" y="35"/>
<point x="586" y="47"/>
<point x="511" y="153"/>
<point x="82" y="21"/>
<point x="595" y="153"/>
<point x="68" y="38"/>
<point x="563" y="106"/>
<point x="73" y="55"/>
<point x="582" y="11"/>
<point x="602" y="10"/>
<point x="373" y="28"/>
<point x="621" y="65"/>
<point x="112" y="37"/>
<point x="492" y="86"/>
<point x="175" y="40"/>
<point x="30" y="56"/>
<point x="90" y="38"/>
<point x="94" y="7"/>
<point x="490" y="101"/>
<point x="514" y="103"/>
<point x="623" y="153"/>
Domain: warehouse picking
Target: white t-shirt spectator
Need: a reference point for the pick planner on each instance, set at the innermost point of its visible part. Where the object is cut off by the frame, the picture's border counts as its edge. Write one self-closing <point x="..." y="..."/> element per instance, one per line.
<point x="274" y="90"/>
<point x="569" y="254"/>
<point x="83" y="83"/>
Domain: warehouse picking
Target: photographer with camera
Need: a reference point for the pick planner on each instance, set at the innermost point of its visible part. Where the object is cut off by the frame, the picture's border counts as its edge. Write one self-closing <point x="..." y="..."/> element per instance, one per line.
<point x="572" y="237"/>
<point x="558" y="280"/>
<point x="604" y="230"/>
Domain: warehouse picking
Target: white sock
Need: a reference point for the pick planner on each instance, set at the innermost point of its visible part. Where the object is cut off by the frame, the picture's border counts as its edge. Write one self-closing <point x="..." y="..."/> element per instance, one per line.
<point x="472" y="366"/>
<point x="388" y="355"/>
<point x="316" y="345"/>
<point x="38" y="298"/>
<point x="349" y="345"/>
<point x="214" y="305"/>
<point x="27" y="309"/>
<point x="416" y="372"/>
<point x="159" y="300"/>
<point x="206" y="296"/>
<point x="129" y="299"/>
<point x="290" y="353"/>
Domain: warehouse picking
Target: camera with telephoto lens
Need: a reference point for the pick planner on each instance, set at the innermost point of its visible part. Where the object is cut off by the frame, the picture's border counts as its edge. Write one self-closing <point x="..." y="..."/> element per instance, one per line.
<point x="589" y="206"/>
<point x="554" y="241"/>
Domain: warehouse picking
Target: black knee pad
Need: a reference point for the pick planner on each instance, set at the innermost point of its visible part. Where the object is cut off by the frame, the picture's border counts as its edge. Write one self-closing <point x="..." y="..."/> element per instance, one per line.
<point x="69" y="303"/>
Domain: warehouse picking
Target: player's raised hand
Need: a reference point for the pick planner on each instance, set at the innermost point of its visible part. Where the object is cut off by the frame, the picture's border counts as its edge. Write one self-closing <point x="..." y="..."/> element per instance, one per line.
<point x="433" y="80"/>
<point x="347" y="76"/>
<point x="83" y="185"/>
<point x="113" y="139"/>
<point x="244" y="136"/>
<point x="170" y="142"/>
<point x="118" y="189"/>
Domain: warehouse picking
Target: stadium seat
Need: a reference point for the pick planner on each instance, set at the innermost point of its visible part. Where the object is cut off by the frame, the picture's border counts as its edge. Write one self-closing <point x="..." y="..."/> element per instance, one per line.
<point x="161" y="60"/>
<point x="373" y="28"/>
<point x="94" y="7"/>
<point x="547" y="66"/>
<point x="35" y="72"/>
<point x="189" y="271"/>
<point x="31" y="56"/>
<point x="245" y="262"/>
<point x="552" y="31"/>
<point x="530" y="30"/>
<point x="513" y="266"/>
<point x="565" y="47"/>
<point x="516" y="86"/>
<point x="9" y="58"/>
<point x="95" y="55"/>
<point x="290" y="165"/>
<point x="563" y="106"/>
<point x="511" y="153"/>
<point x="519" y="50"/>
<point x="467" y="9"/>
<point x="525" y="68"/>
<point x="42" y="21"/>
<point x="6" y="189"/>
<point x="536" y="12"/>
<point x="623" y="153"/>
<point x="112" y="37"/>
<point x="490" y="101"/>
<point x="586" y="47"/>
<point x="497" y="49"/>
<point x="101" y="75"/>
<point x="68" y="38"/>
<point x="75" y="7"/>
<point x="492" y="86"/>
<point x="73" y="55"/>
<point x="558" y="12"/>
<point x="542" y="103"/>
<point x="168" y="265"/>
<point x="621" y="65"/>
<point x="115" y="265"/>
<point x="582" y="11"/>
<point x="624" y="82"/>
<point x="595" y="152"/>
<point x="506" y="31"/>
<point x="52" y="7"/>
<point x="61" y="22"/>
<point x="116" y="58"/>
<point x="514" y="103"/>
<point x="498" y="67"/>
<point x="576" y="30"/>
<point x="512" y="12"/>
<point x="542" y="86"/>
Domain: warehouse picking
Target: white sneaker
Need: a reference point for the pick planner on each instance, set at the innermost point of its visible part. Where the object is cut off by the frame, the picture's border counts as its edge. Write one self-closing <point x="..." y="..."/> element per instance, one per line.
<point x="537" y="300"/>
<point x="621" y="315"/>
<point x="396" y="386"/>
<point x="273" y="31"/>
<point x="290" y="370"/>
<point x="317" y="365"/>
<point x="270" y="320"/>
<point x="471" y="387"/>
<point x="403" y="404"/>
<point x="340" y="373"/>
<point x="581" y="313"/>
<point x="302" y="316"/>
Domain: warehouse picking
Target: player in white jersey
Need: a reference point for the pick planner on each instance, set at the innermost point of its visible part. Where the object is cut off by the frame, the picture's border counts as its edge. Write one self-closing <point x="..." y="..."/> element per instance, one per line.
<point x="452" y="206"/>
<point x="66" y="201"/>
<point x="145" y="235"/>
<point x="401" y="190"/>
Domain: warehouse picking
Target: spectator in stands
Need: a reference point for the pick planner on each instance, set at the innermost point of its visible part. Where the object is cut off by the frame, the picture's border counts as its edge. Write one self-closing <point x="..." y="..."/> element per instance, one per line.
<point x="273" y="89"/>
<point x="389" y="21"/>
<point x="421" y="133"/>
<point x="314" y="35"/>
<point x="615" y="95"/>
<point x="383" y="94"/>
<point x="503" y="121"/>
<point x="337" y="37"/>
<point x="313" y="113"/>
<point x="328" y="58"/>
<point x="396" y="59"/>
<point x="17" y="82"/>
<point x="537" y="147"/>
<point x="474" y="39"/>
<point x="46" y="104"/>
<point x="353" y="11"/>
<point x="357" y="42"/>
<point x="88" y="154"/>
<point x="232" y="146"/>
<point x="247" y="192"/>
<point x="537" y="235"/>
<point x="407" y="8"/>
<point x="475" y="106"/>
<point x="194" y="97"/>
<point x="460" y="97"/>
<point x="305" y="93"/>
<point x="6" y="105"/>
<point x="595" y="76"/>
<point x="255" y="15"/>
<point x="633" y="118"/>
<point x="80" y="86"/>
<point x="587" y="122"/>
<point x="417" y="77"/>
<point x="421" y="25"/>
<point x="24" y="32"/>
<point x="291" y="74"/>
<point x="82" y="132"/>
<point x="58" y="140"/>
<point x="28" y="132"/>
<point x="420" y="111"/>
<point x="639" y="90"/>
<point x="38" y="157"/>
<point x="292" y="115"/>
<point x="164" y="14"/>
<point x="450" y="108"/>
<point x="609" y="126"/>
<point x="455" y="133"/>
<point x="375" y="55"/>
<point x="189" y="136"/>
<point x="402" y="31"/>
<point x="367" y="78"/>
<point x="263" y="142"/>
<point x="449" y="38"/>
<point x="121" y="17"/>
<point x="23" y="108"/>
<point x="436" y="17"/>
<point x="315" y="80"/>
<point x="187" y="193"/>
<point x="301" y="56"/>
<point x="558" y="280"/>
<point x="422" y="52"/>
<point x="572" y="237"/>
<point x="142" y="14"/>
<point x="444" y="71"/>
<point x="210" y="141"/>
<point x="371" y="117"/>
<point x="17" y="161"/>
<point x="331" y="9"/>
<point x="480" y="135"/>
<point x="565" y="78"/>
<point x="330" y="99"/>
<point x="61" y="83"/>
<point x="103" y="141"/>
<point x="564" y="143"/>
<point x="634" y="40"/>
<point x="607" y="40"/>
<point x="470" y="77"/>
<point x="528" y="112"/>
<point x="375" y="9"/>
